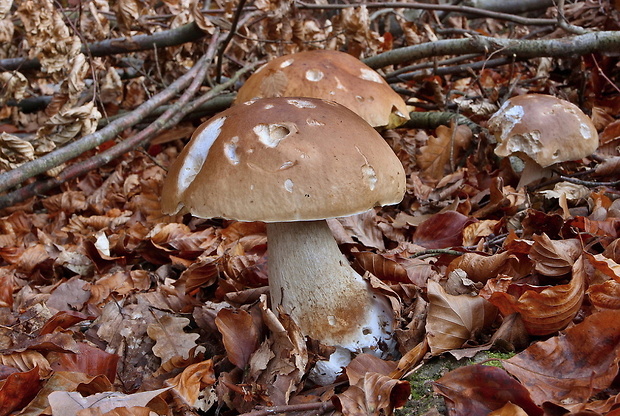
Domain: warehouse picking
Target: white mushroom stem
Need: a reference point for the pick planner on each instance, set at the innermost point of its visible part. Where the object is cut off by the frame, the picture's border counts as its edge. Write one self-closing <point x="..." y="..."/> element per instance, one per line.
<point x="316" y="286"/>
<point x="532" y="172"/>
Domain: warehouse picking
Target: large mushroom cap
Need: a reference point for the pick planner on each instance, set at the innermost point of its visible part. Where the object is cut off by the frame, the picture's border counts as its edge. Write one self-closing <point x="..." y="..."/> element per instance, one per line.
<point x="283" y="159"/>
<point x="329" y="75"/>
<point x="545" y="128"/>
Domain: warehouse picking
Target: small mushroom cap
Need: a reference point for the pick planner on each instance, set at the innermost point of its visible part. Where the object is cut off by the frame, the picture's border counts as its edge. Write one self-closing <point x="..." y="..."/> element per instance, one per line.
<point x="329" y="75"/>
<point x="543" y="127"/>
<point x="283" y="159"/>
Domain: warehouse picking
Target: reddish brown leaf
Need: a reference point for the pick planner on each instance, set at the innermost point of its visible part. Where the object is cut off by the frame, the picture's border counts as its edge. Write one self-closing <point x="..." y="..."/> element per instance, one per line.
<point x="573" y="366"/>
<point x="17" y="390"/>
<point x="476" y="390"/>
<point x="442" y="230"/>
<point x="381" y="267"/>
<point x="89" y="360"/>
<point x="63" y="320"/>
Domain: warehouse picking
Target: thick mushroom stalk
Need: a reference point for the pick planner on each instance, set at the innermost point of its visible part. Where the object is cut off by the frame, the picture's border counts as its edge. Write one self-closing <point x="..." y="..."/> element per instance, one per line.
<point x="314" y="283"/>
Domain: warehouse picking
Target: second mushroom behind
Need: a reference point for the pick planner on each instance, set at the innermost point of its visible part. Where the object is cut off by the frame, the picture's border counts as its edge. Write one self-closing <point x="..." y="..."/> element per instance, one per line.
<point x="292" y="163"/>
<point x="329" y="75"/>
<point x="542" y="130"/>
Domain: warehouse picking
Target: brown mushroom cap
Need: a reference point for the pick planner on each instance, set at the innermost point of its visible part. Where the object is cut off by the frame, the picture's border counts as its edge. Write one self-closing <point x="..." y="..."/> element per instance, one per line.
<point x="329" y="75"/>
<point x="543" y="127"/>
<point x="283" y="159"/>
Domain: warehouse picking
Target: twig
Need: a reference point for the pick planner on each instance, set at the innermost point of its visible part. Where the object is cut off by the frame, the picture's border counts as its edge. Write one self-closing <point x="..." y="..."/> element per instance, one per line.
<point x="588" y="183"/>
<point x="455" y="69"/>
<point x="564" y="24"/>
<point x="189" y="32"/>
<point x="319" y="408"/>
<point x="440" y="7"/>
<point x="29" y="169"/>
<point x="231" y="35"/>
<point x="435" y="253"/>
<point x="607" y="41"/>
<point x="78" y="169"/>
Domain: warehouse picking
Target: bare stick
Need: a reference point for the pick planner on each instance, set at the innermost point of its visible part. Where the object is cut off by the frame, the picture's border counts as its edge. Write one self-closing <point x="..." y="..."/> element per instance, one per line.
<point x="441" y="7"/>
<point x="189" y="32"/>
<point x="607" y="41"/>
<point x="29" y="169"/>
<point x="170" y="118"/>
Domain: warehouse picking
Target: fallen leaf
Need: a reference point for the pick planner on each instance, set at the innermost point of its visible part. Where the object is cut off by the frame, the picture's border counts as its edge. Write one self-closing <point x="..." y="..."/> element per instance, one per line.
<point x="171" y="339"/>
<point x="239" y="334"/>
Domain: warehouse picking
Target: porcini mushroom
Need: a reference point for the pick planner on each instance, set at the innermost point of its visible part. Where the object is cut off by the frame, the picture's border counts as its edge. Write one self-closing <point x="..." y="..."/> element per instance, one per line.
<point x="542" y="130"/>
<point x="329" y="75"/>
<point x="292" y="163"/>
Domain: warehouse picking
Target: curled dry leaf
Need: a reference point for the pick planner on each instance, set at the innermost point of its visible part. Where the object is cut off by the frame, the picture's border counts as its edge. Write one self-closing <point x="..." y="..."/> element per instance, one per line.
<point x="481" y="268"/>
<point x="554" y="257"/>
<point x="13" y="83"/>
<point x="48" y="36"/>
<point x="573" y="366"/>
<point x="453" y="320"/>
<point x="544" y="310"/>
<point x="26" y="361"/>
<point x="194" y="386"/>
<point x="13" y="150"/>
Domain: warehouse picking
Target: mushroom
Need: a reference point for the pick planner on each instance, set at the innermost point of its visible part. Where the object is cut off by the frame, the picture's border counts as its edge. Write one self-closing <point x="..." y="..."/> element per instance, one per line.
<point x="329" y="75"/>
<point x="293" y="163"/>
<point x="542" y="130"/>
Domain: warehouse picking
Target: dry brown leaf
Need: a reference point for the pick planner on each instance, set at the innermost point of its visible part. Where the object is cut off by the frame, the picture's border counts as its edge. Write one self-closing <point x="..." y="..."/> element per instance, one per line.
<point x="453" y="320"/>
<point x="379" y="266"/>
<point x="239" y="334"/>
<point x="481" y="268"/>
<point x="171" y="339"/>
<point x="544" y="310"/>
<point x="554" y="257"/>
<point x="435" y="156"/>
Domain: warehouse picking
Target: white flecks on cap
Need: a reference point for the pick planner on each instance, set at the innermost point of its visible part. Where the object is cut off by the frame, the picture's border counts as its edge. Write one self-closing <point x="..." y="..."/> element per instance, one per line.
<point x="198" y="152"/>
<point x="314" y="75"/>
<point x="249" y="102"/>
<point x="585" y="130"/>
<point x="313" y="122"/>
<point x="339" y="85"/>
<point x="370" y="75"/>
<point x="301" y="103"/>
<point x="272" y="134"/>
<point x="286" y="63"/>
<point x="230" y="150"/>
<point x="268" y="106"/>
<point x="286" y="165"/>
<point x="288" y="185"/>
<point x="368" y="172"/>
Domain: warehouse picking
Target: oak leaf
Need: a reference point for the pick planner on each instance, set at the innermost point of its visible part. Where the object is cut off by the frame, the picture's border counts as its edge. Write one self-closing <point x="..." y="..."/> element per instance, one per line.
<point x="171" y="340"/>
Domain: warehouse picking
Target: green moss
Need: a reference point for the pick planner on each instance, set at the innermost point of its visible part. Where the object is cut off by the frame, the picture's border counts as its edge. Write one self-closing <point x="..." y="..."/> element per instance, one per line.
<point x="423" y="400"/>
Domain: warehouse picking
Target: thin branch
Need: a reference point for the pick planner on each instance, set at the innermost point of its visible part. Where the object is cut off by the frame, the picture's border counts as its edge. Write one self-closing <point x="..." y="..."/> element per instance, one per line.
<point x="319" y="407"/>
<point x="607" y="41"/>
<point x="189" y="32"/>
<point x="29" y="169"/>
<point x="440" y="7"/>
<point x="231" y="35"/>
<point x="167" y="120"/>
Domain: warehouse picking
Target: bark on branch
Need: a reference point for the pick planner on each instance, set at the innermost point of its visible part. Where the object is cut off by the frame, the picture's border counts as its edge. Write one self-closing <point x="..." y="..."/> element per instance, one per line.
<point x="189" y="32"/>
<point x="605" y="42"/>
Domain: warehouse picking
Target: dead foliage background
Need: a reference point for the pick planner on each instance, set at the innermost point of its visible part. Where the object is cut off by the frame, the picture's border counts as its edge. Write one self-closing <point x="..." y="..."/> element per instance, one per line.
<point x="110" y="308"/>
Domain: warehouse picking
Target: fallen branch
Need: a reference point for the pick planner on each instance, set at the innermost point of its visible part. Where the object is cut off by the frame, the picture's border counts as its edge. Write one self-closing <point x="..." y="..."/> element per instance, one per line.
<point x="170" y="118"/>
<point x="189" y="32"/>
<point x="44" y="163"/>
<point x="438" y="7"/>
<point x="608" y="41"/>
